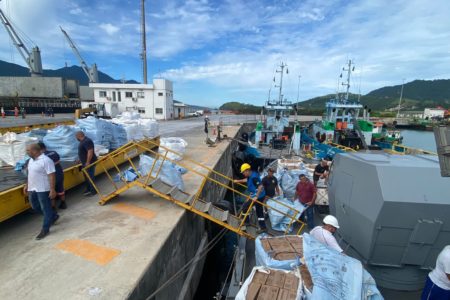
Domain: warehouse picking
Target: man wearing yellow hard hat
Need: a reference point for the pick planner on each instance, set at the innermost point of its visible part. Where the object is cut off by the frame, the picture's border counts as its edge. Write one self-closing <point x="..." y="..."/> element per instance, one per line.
<point x="256" y="190"/>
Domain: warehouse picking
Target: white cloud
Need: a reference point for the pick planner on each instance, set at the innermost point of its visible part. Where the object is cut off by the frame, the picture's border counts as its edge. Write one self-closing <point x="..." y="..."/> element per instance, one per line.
<point x="109" y="28"/>
<point x="76" y="11"/>
<point x="233" y="46"/>
<point x="388" y="41"/>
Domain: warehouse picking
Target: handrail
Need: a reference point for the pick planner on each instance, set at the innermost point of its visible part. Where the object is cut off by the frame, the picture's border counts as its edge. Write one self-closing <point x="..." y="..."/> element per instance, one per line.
<point x="203" y="175"/>
<point x="345" y="148"/>
<point x="149" y="148"/>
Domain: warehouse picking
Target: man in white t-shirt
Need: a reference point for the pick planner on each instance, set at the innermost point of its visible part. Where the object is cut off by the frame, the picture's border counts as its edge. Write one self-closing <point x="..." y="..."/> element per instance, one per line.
<point x="324" y="233"/>
<point x="438" y="280"/>
<point x="40" y="186"/>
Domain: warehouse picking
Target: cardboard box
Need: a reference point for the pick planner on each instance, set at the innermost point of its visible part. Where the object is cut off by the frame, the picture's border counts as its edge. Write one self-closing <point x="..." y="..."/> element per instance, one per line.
<point x="306" y="277"/>
<point x="268" y="293"/>
<point x="276" y="278"/>
<point x="286" y="295"/>
<point x="253" y="290"/>
<point x="291" y="282"/>
<point x="285" y="255"/>
<point x="260" y="277"/>
<point x="266" y="245"/>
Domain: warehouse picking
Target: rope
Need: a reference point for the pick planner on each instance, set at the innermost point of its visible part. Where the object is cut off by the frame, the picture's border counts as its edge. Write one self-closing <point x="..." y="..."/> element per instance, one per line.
<point x="185" y="268"/>
<point x="229" y="272"/>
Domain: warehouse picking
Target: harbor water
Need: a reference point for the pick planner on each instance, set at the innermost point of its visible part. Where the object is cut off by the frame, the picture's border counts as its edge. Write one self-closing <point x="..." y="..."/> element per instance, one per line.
<point x="419" y="139"/>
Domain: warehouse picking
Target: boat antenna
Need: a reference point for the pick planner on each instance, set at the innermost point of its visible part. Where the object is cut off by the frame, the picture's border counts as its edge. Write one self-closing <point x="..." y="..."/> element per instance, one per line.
<point x="359" y="88"/>
<point x="144" y="44"/>
<point x="400" y="101"/>
<point x="298" y="87"/>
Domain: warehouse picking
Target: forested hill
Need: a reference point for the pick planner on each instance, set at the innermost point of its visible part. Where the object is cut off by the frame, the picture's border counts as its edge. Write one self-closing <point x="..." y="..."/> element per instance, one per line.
<point x="417" y="95"/>
<point x="73" y="72"/>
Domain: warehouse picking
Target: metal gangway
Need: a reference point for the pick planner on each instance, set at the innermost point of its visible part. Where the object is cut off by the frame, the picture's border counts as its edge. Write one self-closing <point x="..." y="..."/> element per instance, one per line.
<point x="193" y="201"/>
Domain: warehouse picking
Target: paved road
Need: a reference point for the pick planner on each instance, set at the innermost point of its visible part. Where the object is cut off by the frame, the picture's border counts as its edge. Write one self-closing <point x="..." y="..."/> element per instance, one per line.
<point x="174" y="127"/>
<point x="10" y="121"/>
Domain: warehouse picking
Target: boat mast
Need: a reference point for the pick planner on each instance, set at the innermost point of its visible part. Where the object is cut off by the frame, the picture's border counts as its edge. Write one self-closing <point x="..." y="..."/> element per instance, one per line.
<point x="347" y="84"/>
<point x="280" y="95"/>
<point x="144" y="44"/>
<point x="400" y="101"/>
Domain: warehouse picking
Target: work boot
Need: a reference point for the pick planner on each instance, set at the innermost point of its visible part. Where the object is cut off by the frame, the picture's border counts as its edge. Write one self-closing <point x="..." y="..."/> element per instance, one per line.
<point x="62" y="205"/>
<point x="42" y="234"/>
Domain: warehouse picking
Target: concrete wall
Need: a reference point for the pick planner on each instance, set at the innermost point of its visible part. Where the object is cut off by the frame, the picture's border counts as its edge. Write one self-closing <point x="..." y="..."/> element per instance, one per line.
<point x="176" y="252"/>
<point x="182" y="245"/>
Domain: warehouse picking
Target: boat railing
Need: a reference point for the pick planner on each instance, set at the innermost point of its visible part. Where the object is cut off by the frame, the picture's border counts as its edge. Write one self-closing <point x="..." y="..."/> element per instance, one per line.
<point x="341" y="147"/>
<point x="401" y="149"/>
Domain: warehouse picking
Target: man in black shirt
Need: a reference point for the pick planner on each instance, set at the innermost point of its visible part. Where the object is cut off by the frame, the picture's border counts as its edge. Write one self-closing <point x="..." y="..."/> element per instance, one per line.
<point x="321" y="171"/>
<point x="270" y="184"/>
<point x="86" y="155"/>
<point x="59" y="176"/>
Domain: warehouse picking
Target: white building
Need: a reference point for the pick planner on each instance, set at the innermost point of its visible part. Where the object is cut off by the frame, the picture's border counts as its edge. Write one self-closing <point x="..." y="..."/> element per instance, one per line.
<point x="433" y="113"/>
<point x="150" y="100"/>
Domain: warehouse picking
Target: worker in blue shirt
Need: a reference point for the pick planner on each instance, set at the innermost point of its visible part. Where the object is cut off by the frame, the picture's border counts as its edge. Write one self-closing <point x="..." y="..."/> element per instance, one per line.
<point x="256" y="191"/>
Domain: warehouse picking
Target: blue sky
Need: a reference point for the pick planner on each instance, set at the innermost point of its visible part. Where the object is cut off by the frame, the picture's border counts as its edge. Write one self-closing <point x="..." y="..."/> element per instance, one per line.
<point x="219" y="51"/>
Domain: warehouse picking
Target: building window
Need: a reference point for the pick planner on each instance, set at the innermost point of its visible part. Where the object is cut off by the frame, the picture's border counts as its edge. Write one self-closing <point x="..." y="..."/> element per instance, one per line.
<point x="102" y="94"/>
<point x="160" y="94"/>
<point x="140" y="94"/>
<point x="128" y="95"/>
<point x="119" y="96"/>
<point x="141" y="110"/>
<point x="159" y="111"/>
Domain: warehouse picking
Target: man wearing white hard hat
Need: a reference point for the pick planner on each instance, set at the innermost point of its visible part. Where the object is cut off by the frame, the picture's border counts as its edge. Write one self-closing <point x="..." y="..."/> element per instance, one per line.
<point x="324" y="233"/>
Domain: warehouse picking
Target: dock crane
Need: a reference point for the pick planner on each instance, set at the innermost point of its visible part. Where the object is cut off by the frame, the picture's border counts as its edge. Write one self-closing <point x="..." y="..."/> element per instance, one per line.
<point x="92" y="72"/>
<point x="33" y="58"/>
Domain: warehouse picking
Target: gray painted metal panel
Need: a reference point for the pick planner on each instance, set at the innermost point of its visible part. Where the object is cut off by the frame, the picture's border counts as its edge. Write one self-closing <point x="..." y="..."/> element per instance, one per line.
<point x="393" y="210"/>
<point x="39" y="87"/>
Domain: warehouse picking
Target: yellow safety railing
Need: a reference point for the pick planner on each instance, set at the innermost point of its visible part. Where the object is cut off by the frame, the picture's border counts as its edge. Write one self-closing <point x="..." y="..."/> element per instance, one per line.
<point x="401" y="149"/>
<point x="41" y="125"/>
<point x="341" y="147"/>
<point x="206" y="174"/>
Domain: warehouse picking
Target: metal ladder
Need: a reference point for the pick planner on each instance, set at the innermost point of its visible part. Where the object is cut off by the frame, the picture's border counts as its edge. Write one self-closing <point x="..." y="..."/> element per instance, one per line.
<point x="192" y="202"/>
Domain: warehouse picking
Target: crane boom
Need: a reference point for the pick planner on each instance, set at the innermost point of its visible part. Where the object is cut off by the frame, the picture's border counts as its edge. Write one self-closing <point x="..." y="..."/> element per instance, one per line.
<point x="91" y="73"/>
<point x="33" y="58"/>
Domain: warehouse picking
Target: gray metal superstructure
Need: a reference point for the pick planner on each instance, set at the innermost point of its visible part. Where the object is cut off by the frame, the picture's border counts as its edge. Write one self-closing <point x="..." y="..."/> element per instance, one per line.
<point x="394" y="213"/>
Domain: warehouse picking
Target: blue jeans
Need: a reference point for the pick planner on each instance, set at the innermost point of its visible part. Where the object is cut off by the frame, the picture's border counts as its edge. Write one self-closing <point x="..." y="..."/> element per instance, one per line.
<point x="89" y="187"/>
<point x="433" y="292"/>
<point x="40" y="202"/>
<point x="309" y="214"/>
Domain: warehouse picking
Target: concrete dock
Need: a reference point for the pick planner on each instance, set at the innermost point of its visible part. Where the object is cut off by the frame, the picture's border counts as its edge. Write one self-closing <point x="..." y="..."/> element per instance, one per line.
<point x="123" y="250"/>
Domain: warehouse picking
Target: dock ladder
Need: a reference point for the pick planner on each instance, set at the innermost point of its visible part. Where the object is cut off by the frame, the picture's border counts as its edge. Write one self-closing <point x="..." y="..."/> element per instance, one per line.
<point x="189" y="200"/>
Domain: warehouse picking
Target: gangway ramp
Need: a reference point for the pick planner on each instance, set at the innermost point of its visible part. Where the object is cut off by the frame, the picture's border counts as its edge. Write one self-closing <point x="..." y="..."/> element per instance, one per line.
<point x="190" y="200"/>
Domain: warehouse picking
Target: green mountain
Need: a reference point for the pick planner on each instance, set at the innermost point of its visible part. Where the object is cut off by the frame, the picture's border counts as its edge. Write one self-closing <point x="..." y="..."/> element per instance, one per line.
<point x="417" y="95"/>
<point x="73" y="72"/>
<point x="241" y="108"/>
